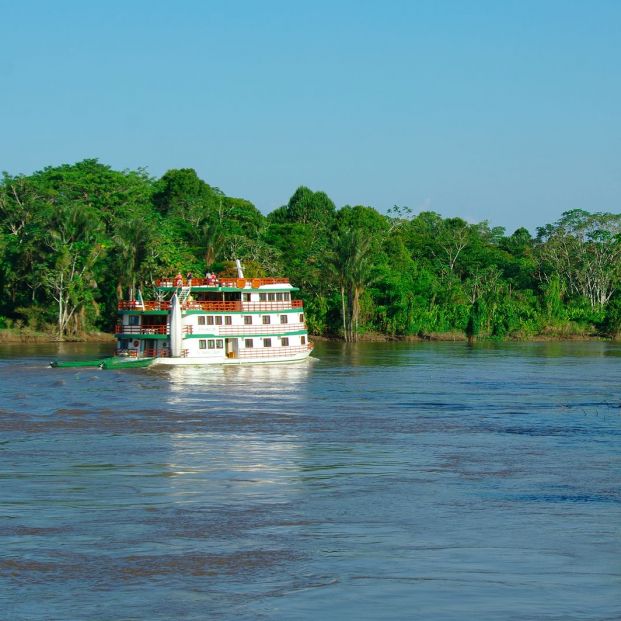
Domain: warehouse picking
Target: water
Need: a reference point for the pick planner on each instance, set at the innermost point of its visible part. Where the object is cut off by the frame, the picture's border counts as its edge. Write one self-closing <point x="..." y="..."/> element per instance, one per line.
<point x="424" y="481"/>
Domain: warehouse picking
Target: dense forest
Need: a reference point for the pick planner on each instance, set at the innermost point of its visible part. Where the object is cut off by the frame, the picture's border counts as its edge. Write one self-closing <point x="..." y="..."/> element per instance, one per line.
<point x="76" y="238"/>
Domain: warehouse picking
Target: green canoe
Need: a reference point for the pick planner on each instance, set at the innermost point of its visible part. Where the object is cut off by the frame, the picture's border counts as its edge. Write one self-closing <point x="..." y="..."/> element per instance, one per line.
<point x="76" y="363"/>
<point x="125" y="363"/>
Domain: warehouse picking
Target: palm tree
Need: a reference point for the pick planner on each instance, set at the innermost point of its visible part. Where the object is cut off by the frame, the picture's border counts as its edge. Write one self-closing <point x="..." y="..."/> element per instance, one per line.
<point x="133" y="241"/>
<point x="353" y="268"/>
<point x="210" y="237"/>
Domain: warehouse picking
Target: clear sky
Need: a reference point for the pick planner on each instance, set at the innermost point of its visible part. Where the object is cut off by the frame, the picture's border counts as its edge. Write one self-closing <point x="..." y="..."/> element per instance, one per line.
<point x="502" y="110"/>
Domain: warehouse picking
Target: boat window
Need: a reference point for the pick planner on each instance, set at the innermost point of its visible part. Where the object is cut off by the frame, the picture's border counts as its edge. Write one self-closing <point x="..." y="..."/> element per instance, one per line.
<point x="303" y="340"/>
<point x="202" y="344"/>
<point x="262" y="297"/>
<point x="284" y="319"/>
<point x="266" y="319"/>
<point x="247" y="320"/>
<point x="246" y="297"/>
<point x="286" y="296"/>
<point x="201" y="320"/>
<point x="228" y="320"/>
<point x="301" y="317"/>
<point x="218" y="320"/>
<point x="248" y="343"/>
<point x="211" y="344"/>
<point x="219" y="344"/>
<point x="210" y="321"/>
<point x="123" y="344"/>
<point x="134" y="320"/>
<point x="267" y="342"/>
<point x="271" y="297"/>
<point x="284" y="341"/>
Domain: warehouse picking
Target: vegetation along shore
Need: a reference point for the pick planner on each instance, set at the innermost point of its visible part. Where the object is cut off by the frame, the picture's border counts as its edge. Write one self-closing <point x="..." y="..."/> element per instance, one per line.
<point x="76" y="238"/>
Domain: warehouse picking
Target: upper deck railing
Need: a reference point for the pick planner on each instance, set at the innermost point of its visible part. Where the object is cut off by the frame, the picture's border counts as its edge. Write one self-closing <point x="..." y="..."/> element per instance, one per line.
<point x="216" y="307"/>
<point x="233" y="283"/>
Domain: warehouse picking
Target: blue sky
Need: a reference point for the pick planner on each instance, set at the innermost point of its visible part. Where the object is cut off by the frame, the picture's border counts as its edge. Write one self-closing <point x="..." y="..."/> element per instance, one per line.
<point x="501" y="110"/>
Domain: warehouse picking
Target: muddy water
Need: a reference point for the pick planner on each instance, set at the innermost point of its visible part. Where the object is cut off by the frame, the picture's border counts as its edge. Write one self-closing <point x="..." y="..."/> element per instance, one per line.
<point x="378" y="482"/>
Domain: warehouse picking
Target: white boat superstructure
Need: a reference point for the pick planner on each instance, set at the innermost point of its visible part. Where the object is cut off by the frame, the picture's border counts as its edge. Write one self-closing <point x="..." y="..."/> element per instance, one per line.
<point x="204" y="321"/>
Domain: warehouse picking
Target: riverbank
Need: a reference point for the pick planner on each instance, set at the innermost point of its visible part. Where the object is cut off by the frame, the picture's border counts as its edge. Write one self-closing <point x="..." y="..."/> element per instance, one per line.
<point x="452" y="337"/>
<point x="11" y="335"/>
<point x="31" y="336"/>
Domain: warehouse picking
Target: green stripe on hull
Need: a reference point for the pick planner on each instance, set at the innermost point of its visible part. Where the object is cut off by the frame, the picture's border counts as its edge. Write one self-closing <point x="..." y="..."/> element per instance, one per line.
<point x="126" y="363"/>
<point x="126" y="335"/>
<point x="243" y="336"/>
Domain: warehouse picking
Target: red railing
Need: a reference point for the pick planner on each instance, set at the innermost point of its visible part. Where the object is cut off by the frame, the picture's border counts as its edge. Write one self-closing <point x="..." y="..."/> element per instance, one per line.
<point x="237" y="283"/>
<point x="153" y="353"/>
<point x="122" y="329"/>
<point x="147" y="305"/>
<point x="217" y="307"/>
<point x="150" y="352"/>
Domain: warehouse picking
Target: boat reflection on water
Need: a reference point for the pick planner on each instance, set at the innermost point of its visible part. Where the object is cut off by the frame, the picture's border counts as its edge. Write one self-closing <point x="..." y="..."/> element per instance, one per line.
<point x="245" y="385"/>
<point x="234" y="442"/>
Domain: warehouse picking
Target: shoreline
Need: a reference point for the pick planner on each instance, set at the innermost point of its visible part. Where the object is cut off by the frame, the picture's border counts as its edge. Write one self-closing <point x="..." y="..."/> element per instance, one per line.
<point x="13" y="337"/>
<point x="9" y="336"/>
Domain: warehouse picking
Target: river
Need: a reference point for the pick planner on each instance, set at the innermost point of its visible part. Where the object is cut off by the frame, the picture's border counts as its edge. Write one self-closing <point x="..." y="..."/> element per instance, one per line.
<point x="376" y="481"/>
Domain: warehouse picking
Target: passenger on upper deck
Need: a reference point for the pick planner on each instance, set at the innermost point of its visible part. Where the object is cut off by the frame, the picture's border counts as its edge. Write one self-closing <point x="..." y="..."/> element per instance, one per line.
<point x="178" y="280"/>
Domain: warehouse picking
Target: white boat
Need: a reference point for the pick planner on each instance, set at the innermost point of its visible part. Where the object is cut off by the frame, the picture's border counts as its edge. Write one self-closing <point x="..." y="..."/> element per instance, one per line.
<point x="205" y="321"/>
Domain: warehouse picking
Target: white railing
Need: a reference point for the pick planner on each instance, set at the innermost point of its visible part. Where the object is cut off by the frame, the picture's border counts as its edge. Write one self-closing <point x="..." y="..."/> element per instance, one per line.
<point x="273" y="352"/>
<point x="257" y="328"/>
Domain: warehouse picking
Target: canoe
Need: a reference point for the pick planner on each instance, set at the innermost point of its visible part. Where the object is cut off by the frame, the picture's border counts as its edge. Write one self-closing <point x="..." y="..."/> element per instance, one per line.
<point x="125" y="363"/>
<point x="76" y="363"/>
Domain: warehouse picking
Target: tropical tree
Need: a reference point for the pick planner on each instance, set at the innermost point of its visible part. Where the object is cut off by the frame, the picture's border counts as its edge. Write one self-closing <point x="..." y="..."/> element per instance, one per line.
<point x="584" y="250"/>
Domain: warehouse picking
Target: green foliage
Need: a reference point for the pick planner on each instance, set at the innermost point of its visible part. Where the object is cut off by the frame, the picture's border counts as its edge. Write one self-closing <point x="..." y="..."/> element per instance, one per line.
<point x="75" y="238"/>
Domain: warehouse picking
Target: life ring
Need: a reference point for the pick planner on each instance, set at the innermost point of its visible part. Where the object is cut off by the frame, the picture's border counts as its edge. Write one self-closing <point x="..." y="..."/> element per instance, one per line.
<point x="241" y="283"/>
<point x="256" y="283"/>
<point x="136" y="343"/>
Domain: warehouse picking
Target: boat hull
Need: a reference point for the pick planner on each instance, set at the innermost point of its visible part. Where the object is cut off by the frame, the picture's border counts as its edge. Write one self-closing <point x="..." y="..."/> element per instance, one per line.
<point x="229" y="361"/>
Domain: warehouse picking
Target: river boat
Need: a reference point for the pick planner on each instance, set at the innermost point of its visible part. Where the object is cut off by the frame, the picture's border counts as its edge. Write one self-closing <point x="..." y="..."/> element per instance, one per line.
<point x="213" y="321"/>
